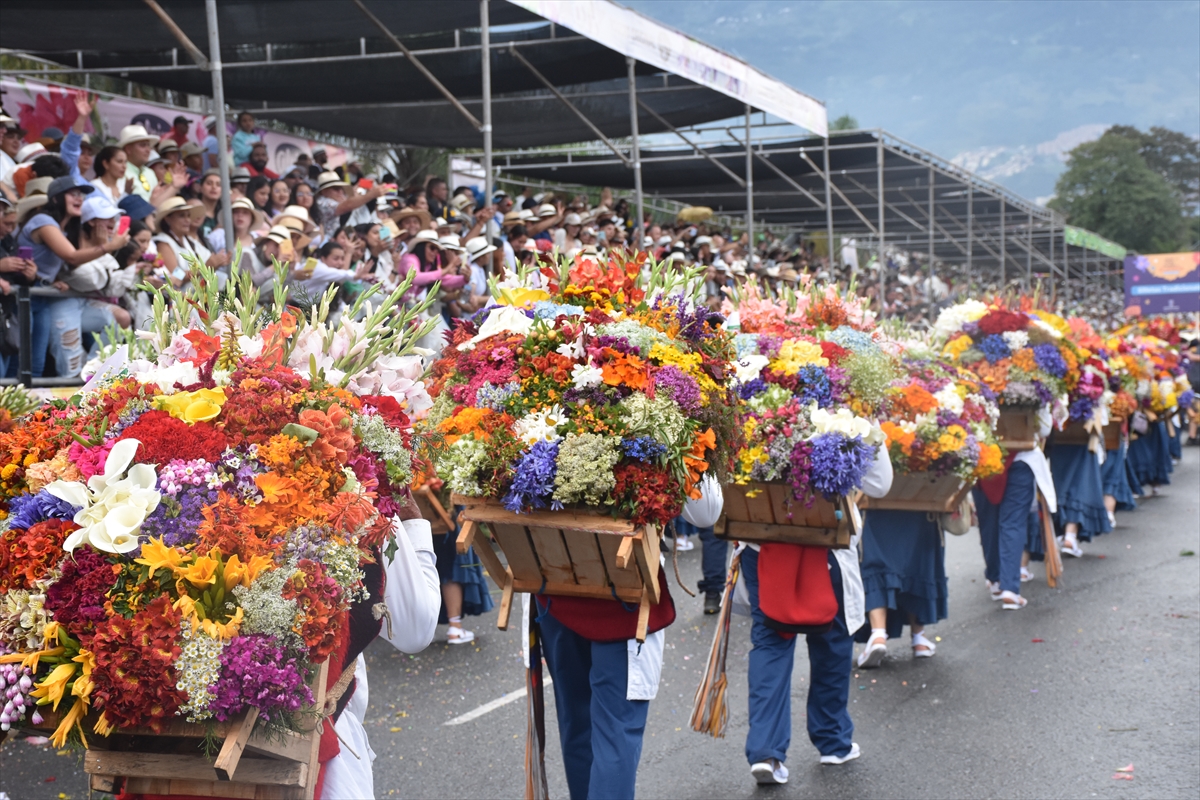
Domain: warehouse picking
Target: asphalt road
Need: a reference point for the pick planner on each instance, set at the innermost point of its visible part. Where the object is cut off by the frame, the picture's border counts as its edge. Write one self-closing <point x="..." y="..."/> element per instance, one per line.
<point x="1050" y="701"/>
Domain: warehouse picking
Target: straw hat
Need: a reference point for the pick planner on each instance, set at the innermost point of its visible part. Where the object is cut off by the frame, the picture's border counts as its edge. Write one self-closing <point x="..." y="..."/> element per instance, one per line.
<point x="37" y="186"/>
<point x="478" y="248"/>
<point x="30" y="202"/>
<point x="191" y="149"/>
<point x="29" y="152"/>
<point x="546" y="210"/>
<point x="405" y="213"/>
<point x="299" y="216"/>
<point x="451" y="242"/>
<point x="461" y="201"/>
<point x="328" y="180"/>
<point x="573" y="219"/>
<point x="278" y="234"/>
<point x="426" y="236"/>
<point x="245" y="204"/>
<point x="512" y="218"/>
<point x="166" y="146"/>
<point x="135" y="133"/>
<point x="174" y="204"/>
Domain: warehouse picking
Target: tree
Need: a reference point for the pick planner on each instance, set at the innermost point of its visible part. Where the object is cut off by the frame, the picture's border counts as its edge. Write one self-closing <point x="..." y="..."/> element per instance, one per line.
<point x="844" y="123"/>
<point x="1174" y="155"/>
<point x="1108" y="188"/>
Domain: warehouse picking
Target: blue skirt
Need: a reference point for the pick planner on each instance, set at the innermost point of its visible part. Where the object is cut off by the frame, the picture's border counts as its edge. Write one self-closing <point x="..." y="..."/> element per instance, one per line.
<point x="1080" y="490"/>
<point x="904" y="568"/>
<point x="1115" y="477"/>
<point x="1150" y="457"/>
<point x="1175" y="443"/>
<point x="465" y="569"/>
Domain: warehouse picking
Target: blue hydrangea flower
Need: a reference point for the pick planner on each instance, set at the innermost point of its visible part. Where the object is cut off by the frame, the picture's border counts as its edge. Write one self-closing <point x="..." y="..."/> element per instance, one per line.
<point x="994" y="348"/>
<point x="643" y="448"/>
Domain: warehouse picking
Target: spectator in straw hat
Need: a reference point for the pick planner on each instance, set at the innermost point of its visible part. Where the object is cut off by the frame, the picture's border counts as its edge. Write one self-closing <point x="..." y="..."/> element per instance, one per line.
<point x="168" y="150"/>
<point x="177" y="246"/>
<point x="138" y="145"/>
<point x="192" y="155"/>
<point x="411" y="221"/>
<point x="334" y="202"/>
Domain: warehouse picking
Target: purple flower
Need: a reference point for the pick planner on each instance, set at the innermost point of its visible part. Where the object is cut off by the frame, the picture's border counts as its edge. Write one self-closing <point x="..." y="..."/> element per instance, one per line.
<point x="256" y="671"/>
<point x="177" y="519"/>
<point x="27" y="510"/>
<point x="618" y="343"/>
<point x="533" y="481"/>
<point x="597" y="395"/>
<point x="643" y="448"/>
<point x="839" y="463"/>
<point x="813" y="385"/>
<point x="1043" y="393"/>
<point x="680" y="386"/>
<point x="695" y="323"/>
<point x="799" y="475"/>
<point x="1081" y="409"/>
<point x="1186" y="398"/>
<point x="1049" y="360"/>
<point x="748" y="390"/>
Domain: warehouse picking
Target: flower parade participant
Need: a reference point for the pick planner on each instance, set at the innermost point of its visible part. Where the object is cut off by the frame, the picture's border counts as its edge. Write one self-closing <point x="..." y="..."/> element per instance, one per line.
<point x="591" y="387"/>
<point x="938" y="423"/>
<point x="217" y="528"/>
<point x="1026" y="361"/>
<point x="789" y="379"/>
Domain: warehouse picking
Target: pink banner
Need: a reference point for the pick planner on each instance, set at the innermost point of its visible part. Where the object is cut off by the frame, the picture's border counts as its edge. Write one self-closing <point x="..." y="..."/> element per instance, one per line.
<point x="40" y="105"/>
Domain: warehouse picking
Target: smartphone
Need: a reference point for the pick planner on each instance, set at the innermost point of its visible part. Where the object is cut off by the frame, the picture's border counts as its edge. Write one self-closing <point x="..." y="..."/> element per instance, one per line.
<point x="310" y="264"/>
<point x="25" y="253"/>
<point x="285" y="250"/>
<point x="123" y="225"/>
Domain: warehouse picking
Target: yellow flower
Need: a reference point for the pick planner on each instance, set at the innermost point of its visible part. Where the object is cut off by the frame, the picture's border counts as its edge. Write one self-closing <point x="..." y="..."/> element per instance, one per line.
<point x="257" y="564"/>
<point x="201" y="573"/>
<point x="794" y="354"/>
<point x="157" y="555"/>
<point x="956" y="347"/>
<point x="59" y="737"/>
<point x="520" y="296"/>
<point x="52" y="687"/>
<point x="201" y="405"/>
<point x="223" y="630"/>
<point x="103" y="726"/>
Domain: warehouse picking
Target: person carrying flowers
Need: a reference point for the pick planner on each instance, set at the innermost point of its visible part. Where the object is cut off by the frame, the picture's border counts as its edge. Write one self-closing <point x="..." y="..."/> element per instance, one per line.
<point x="790" y="382"/>
<point x="598" y="387"/>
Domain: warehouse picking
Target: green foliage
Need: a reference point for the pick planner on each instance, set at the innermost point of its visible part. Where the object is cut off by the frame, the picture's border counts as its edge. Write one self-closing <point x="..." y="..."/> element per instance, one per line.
<point x="1174" y="155"/>
<point x="844" y="123"/>
<point x="1108" y="188"/>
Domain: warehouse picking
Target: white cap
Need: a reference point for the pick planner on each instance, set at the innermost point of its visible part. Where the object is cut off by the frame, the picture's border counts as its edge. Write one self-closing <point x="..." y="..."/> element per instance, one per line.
<point x="664" y="240"/>
<point x="702" y="240"/>
<point x="573" y="219"/>
<point x="98" y="207"/>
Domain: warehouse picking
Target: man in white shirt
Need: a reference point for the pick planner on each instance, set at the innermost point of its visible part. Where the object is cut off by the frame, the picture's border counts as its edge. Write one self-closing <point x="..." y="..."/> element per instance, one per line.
<point x="10" y="143"/>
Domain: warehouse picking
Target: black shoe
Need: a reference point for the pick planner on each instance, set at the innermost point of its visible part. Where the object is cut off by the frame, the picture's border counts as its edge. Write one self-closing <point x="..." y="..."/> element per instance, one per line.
<point x="712" y="602"/>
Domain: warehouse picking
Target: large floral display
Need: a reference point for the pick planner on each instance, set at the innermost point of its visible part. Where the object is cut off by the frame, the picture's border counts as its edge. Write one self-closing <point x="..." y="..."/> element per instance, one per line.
<point x="588" y="385"/>
<point x="184" y="538"/>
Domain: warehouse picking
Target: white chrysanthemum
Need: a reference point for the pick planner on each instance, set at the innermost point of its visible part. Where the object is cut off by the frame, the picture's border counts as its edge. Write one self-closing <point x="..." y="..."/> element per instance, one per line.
<point x="1015" y="339"/>
<point x="846" y="423"/>
<point x="540" y="426"/>
<point x="947" y="397"/>
<point x="1049" y="330"/>
<point x="952" y="319"/>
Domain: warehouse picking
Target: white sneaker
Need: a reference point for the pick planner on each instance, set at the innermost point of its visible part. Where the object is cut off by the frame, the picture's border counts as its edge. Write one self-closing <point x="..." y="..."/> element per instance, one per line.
<point x="683" y="543"/>
<point x="459" y="636"/>
<point x="769" y="772"/>
<point x="853" y="754"/>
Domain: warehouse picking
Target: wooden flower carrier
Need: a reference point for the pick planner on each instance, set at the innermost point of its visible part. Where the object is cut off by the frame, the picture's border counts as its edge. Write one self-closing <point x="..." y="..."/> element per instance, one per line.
<point x="765" y="512"/>
<point x="440" y="520"/>
<point x="250" y="764"/>
<point x="1080" y="433"/>
<point x="574" y="553"/>
<point x="921" y="491"/>
<point x="1016" y="430"/>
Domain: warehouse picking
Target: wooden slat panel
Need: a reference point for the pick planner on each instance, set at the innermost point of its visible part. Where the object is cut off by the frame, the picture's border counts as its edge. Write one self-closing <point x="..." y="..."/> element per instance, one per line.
<point x="485" y="510"/>
<point x="193" y="768"/>
<point x="647" y="552"/>
<point x="627" y="578"/>
<point x="286" y="745"/>
<point x="586" y="559"/>
<point x="514" y="541"/>
<point x="553" y="555"/>
<point x="793" y="534"/>
<point x="735" y="503"/>
<point x="780" y="495"/>
<point x="575" y="590"/>
<point x="758" y="504"/>
<point x="235" y="743"/>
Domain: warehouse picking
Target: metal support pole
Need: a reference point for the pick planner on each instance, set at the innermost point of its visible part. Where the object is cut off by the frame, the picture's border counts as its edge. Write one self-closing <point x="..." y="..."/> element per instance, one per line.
<point x="929" y="293"/>
<point x="636" y="154"/>
<point x="881" y="223"/>
<point x="1003" y="246"/>
<point x="486" y="55"/>
<point x="25" y="331"/>
<point x="749" y="193"/>
<point x="1053" y="268"/>
<point x="1029" y="253"/>
<point x="218" y="85"/>
<point x="829" y="211"/>
<point x="970" y="230"/>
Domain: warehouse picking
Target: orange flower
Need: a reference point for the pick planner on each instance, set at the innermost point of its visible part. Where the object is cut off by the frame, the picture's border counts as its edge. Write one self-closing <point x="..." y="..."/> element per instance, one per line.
<point x="624" y="370"/>
<point x="917" y="399"/>
<point x="276" y="489"/>
<point x="695" y="463"/>
<point x="1023" y="359"/>
<point x="897" y="435"/>
<point x="335" y="432"/>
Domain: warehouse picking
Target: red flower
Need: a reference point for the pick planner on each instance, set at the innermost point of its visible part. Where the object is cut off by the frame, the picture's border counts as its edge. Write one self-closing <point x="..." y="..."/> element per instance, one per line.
<point x="163" y="438"/>
<point x="1000" y="320"/>
<point x="320" y="600"/>
<point x="29" y="555"/>
<point x="834" y="352"/>
<point x="648" y="492"/>
<point x="389" y="409"/>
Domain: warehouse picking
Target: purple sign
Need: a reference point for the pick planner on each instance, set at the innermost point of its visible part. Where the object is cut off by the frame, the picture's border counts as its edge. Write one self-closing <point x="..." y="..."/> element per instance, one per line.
<point x="1166" y="283"/>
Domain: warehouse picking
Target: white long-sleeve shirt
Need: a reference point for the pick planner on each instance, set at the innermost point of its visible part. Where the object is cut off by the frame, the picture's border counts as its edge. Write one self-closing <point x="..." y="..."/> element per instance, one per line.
<point x="413" y="597"/>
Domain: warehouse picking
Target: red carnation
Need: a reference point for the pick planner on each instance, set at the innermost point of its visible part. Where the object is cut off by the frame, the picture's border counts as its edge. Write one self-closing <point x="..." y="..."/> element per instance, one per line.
<point x="1000" y="320"/>
<point x="834" y="352"/>
<point x="389" y="409"/>
<point x="164" y="438"/>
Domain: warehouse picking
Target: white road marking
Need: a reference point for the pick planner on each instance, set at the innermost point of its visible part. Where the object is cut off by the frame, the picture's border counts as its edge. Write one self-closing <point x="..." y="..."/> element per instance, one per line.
<point x="493" y="705"/>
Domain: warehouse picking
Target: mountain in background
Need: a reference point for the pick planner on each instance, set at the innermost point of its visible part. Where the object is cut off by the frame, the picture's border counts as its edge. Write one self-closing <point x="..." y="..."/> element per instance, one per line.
<point x="1028" y="170"/>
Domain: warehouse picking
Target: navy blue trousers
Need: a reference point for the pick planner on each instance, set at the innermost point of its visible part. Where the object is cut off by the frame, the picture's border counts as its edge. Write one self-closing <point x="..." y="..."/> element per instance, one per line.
<point x="1004" y="528"/>
<point x="715" y="555"/>
<point x="600" y="731"/>
<point x="770" y="677"/>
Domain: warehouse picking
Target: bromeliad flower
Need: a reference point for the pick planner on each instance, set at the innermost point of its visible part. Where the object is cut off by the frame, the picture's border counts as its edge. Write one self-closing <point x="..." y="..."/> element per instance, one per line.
<point x="111" y="506"/>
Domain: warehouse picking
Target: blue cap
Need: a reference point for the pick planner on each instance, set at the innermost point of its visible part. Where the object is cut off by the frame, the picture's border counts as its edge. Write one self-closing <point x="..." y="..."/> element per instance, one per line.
<point x="135" y="207"/>
<point x="66" y="183"/>
<point x="52" y="133"/>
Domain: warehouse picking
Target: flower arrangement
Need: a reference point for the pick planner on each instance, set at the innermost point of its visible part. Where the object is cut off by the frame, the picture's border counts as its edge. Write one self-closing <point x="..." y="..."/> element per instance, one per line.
<point x="186" y="536"/>
<point x="815" y="307"/>
<point x="1022" y="358"/>
<point x="941" y="421"/>
<point x="587" y="384"/>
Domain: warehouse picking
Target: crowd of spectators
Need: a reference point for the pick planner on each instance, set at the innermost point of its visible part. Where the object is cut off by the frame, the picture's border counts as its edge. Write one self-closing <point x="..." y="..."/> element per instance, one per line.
<point x="102" y="220"/>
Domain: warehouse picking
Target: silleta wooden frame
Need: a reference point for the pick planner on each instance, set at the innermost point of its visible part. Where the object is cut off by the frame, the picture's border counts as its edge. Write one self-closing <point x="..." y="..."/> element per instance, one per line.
<point x="573" y="553"/>
<point x="766" y="512"/>
<point x="922" y="491"/>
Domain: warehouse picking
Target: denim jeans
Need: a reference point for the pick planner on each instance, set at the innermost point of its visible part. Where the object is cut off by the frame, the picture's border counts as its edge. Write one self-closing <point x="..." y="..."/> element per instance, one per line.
<point x="69" y="319"/>
<point x="1004" y="528"/>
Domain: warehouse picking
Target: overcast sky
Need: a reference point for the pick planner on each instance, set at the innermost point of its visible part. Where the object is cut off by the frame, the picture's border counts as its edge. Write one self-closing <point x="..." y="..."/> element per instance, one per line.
<point x="1005" y="86"/>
